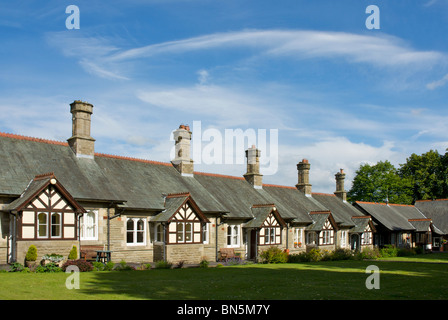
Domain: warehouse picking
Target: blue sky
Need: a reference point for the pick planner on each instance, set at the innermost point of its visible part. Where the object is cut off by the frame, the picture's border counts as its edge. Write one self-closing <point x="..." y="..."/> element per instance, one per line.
<point x="338" y="93"/>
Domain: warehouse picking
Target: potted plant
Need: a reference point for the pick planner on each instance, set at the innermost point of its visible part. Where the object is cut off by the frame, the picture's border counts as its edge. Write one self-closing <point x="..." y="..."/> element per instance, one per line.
<point x="31" y="257"/>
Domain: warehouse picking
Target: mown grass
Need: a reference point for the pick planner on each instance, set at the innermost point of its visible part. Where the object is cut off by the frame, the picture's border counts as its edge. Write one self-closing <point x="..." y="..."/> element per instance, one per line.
<point x="305" y="281"/>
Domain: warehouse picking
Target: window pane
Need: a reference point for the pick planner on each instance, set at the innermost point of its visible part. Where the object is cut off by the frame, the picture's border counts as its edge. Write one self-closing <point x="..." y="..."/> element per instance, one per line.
<point x="55" y="224"/>
<point x="42" y="225"/>
<point x="159" y="232"/>
<point x="130" y="237"/>
<point x="229" y="235"/>
<point x="188" y="233"/>
<point x="235" y="235"/>
<point x="180" y="232"/>
<point x="140" y="225"/>
<point x="130" y="231"/>
<point x="140" y="238"/>
<point x="272" y="240"/>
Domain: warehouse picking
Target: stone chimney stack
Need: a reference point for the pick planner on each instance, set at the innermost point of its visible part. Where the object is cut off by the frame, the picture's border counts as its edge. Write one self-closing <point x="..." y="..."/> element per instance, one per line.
<point x="82" y="144"/>
<point x="253" y="175"/>
<point x="303" y="184"/>
<point x="182" y="161"/>
<point x="340" y="191"/>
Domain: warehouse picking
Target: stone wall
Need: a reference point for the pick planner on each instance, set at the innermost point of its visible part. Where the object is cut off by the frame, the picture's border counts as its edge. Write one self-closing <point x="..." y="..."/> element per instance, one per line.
<point x="44" y="247"/>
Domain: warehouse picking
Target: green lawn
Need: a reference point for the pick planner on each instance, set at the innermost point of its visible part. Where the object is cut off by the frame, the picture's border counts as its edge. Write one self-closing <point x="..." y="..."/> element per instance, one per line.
<point x="323" y="280"/>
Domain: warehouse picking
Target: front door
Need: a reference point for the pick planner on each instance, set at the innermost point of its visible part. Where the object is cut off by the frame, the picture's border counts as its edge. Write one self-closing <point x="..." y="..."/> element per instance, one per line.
<point x="354" y="241"/>
<point x="253" y="244"/>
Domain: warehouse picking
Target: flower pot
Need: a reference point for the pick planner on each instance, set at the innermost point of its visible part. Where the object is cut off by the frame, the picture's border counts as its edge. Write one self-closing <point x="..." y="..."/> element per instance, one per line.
<point x="31" y="264"/>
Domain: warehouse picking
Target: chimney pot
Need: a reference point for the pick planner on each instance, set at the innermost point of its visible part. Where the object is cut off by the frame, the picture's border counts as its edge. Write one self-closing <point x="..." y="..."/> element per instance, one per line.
<point x="182" y="161"/>
<point x="303" y="184"/>
<point x="82" y="144"/>
<point x="340" y="189"/>
<point x="253" y="175"/>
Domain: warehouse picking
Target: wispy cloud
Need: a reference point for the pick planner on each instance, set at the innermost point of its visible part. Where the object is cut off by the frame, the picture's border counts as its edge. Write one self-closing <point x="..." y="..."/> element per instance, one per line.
<point x="102" y="57"/>
<point x="438" y="83"/>
<point x="381" y="50"/>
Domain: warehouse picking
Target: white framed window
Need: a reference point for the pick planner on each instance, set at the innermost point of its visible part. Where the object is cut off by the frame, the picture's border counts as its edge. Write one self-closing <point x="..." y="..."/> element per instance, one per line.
<point x="56" y="223"/>
<point x="42" y="225"/>
<point x="327" y="237"/>
<point x="344" y="234"/>
<point x="205" y="233"/>
<point x="298" y="237"/>
<point x="135" y="231"/>
<point x="311" y="238"/>
<point x="366" y="238"/>
<point x="89" y="225"/>
<point x="188" y="232"/>
<point x="233" y="235"/>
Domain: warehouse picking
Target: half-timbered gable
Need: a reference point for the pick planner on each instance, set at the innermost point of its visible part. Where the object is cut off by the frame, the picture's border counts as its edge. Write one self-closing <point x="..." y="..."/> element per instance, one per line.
<point x="269" y="224"/>
<point x="183" y="220"/>
<point x="46" y="215"/>
<point x="271" y="231"/>
<point x="322" y="231"/>
<point x="46" y="211"/>
<point x="362" y="233"/>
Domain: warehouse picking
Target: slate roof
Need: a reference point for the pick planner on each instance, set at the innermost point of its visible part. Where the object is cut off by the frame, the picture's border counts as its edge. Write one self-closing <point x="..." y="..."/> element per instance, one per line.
<point x="260" y="213"/>
<point x="342" y="211"/>
<point x="139" y="184"/>
<point x="319" y="220"/>
<point x="360" y="224"/>
<point x="392" y="216"/>
<point x="291" y="202"/>
<point x="437" y="210"/>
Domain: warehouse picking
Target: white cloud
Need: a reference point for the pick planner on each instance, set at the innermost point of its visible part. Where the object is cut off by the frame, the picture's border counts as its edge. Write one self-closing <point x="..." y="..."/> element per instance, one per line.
<point x="381" y="50"/>
<point x="438" y="83"/>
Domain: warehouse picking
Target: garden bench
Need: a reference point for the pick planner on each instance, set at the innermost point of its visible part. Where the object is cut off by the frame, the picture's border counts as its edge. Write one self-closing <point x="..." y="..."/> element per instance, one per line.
<point x="228" y="253"/>
<point x="89" y="253"/>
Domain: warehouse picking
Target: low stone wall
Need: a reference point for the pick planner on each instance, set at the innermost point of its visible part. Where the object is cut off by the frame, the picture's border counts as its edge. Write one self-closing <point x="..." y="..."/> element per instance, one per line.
<point x="61" y="247"/>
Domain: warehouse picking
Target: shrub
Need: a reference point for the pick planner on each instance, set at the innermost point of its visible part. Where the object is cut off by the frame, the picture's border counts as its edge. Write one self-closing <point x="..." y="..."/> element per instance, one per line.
<point x="342" y="254"/>
<point x="73" y="253"/>
<point x="389" y="251"/>
<point x="31" y="255"/>
<point x="17" y="267"/>
<point x="98" y="266"/>
<point x="369" y="253"/>
<point x="48" y="268"/>
<point x="82" y="265"/>
<point x="315" y="255"/>
<point x="123" y="266"/>
<point x="161" y="264"/>
<point x="299" y="257"/>
<point x="109" y="266"/>
<point x="204" y="263"/>
<point x="404" y="252"/>
<point x="274" y="255"/>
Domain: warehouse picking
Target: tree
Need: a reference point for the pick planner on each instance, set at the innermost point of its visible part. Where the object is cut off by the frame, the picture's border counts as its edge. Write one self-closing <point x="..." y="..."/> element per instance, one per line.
<point x="380" y="183"/>
<point x="428" y="175"/>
